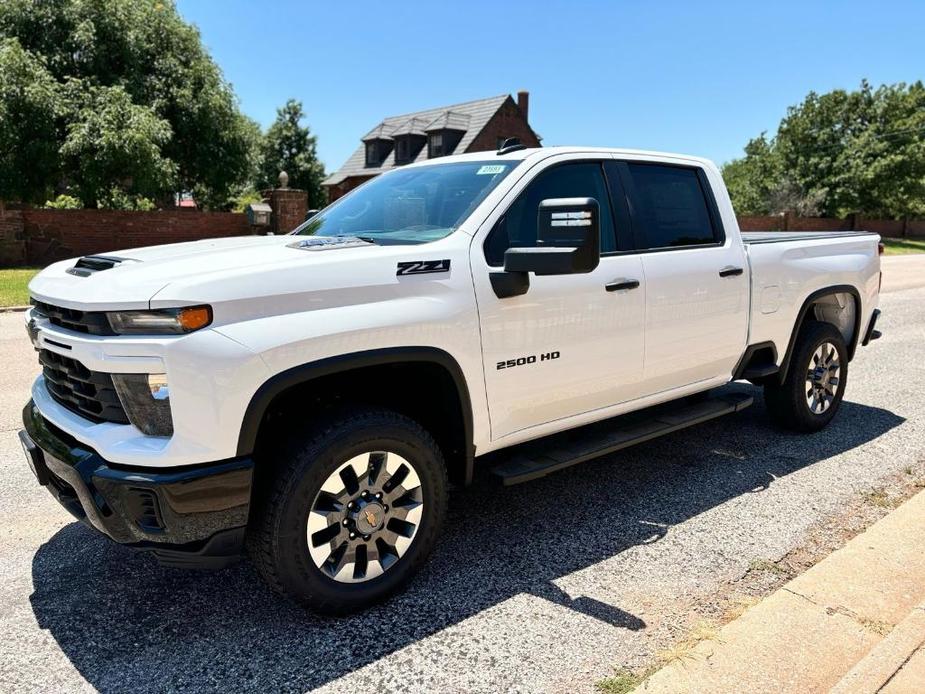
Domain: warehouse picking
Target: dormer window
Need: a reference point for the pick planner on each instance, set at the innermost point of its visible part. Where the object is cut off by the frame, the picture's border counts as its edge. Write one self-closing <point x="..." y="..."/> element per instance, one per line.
<point x="372" y="153"/>
<point x="444" y="133"/>
<point x="377" y="150"/>
<point x="407" y="147"/>
<point x="401" y="150"/>
<point x="442" y="142"/>
<point x="435" y="146"/>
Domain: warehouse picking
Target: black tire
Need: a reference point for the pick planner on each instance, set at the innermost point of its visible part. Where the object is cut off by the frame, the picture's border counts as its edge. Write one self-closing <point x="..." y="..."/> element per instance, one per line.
<point x="787" y="402"/>
<point x="278" y="538"/>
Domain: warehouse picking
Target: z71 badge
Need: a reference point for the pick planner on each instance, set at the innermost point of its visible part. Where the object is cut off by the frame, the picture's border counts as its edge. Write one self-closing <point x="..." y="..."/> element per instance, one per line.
<point x="423" y="267"/>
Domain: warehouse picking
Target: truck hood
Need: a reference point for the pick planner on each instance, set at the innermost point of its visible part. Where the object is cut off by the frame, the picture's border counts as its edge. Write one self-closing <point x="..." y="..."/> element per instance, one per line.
<point x="129" y="279"/>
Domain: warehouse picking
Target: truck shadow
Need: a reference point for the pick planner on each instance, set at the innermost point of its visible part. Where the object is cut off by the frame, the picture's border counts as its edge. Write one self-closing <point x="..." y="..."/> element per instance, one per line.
<point x="125" y="622"/>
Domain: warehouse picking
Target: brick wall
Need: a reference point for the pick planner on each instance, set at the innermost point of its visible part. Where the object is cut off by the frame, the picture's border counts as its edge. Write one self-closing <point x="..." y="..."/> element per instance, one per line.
<point x="12" y="243"/>
<point x="892" y="228"/>
<point x="50" y="235"/>
<point x="507" y="122"/>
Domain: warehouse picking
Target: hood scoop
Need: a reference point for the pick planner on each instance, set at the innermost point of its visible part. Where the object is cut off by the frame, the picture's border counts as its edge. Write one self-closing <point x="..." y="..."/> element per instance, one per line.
<point x="324" y="243"/>
<point x="90" y="264"/>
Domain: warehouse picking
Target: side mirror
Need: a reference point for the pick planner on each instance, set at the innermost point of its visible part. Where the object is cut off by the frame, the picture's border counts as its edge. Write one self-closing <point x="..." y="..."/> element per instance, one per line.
<point x="568" y="239"/>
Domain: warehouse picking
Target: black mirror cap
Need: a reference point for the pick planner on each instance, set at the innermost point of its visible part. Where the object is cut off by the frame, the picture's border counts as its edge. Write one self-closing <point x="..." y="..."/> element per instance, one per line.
<point x="546" y="261"/>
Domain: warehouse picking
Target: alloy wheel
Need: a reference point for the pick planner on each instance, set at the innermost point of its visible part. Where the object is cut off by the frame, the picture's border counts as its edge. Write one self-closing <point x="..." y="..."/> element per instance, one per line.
<point x="822" y="378"/>
<point x="365" y="516"/>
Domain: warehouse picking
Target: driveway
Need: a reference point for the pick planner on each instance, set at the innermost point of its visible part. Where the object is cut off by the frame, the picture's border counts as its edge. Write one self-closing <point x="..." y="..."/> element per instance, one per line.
<point x="540" y="587"/>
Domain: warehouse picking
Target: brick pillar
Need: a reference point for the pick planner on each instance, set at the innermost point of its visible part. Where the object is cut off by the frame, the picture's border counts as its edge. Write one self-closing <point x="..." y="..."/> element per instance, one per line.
<point x="12" y="238"/>
<point x="289" y="207"/>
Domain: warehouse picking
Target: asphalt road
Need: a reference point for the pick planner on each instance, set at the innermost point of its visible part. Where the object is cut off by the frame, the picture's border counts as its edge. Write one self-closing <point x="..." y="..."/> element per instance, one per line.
<point x="540" y="587"/>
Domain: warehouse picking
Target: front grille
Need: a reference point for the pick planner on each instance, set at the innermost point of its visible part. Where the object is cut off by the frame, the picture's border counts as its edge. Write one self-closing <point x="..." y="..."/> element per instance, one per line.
<point x="89" y="322"/>
<point x="88" y="393"/>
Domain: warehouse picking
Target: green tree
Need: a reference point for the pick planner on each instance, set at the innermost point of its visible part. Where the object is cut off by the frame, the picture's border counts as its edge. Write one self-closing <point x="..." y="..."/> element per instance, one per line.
<point x="127" y="62"/>
<point x="29" y="106"/>
<point x="113" y="145"/>
<point x="289" y="146"/>
<point x="752" y="179"/>
<point x="839" y="153"/>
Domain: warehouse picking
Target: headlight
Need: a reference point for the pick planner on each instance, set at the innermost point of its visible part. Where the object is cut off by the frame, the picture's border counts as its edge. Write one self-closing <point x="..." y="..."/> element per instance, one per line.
<point x="169" y="321"/>
<point x="146" y="400"/>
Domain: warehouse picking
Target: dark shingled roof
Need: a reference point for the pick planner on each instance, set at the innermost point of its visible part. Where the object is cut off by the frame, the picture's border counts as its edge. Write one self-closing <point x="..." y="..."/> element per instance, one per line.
<point x="470" y="116"/>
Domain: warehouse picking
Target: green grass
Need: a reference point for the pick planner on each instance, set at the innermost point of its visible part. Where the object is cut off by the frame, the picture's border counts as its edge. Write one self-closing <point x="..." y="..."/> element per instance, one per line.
<point x="13" y="285"/>
<point x="621" y="682"/>
<point x="902" y="246"/>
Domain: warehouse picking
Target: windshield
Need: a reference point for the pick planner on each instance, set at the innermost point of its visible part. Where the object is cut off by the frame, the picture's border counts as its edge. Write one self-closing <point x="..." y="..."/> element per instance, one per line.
<point x="413" y="205"/>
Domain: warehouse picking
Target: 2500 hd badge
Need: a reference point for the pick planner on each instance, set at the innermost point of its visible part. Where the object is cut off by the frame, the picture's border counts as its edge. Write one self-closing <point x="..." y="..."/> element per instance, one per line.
<point x="523" y="361"/>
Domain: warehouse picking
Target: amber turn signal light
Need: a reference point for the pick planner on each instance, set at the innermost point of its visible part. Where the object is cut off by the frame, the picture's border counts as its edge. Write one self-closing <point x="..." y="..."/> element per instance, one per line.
<point x="194" y="318"/>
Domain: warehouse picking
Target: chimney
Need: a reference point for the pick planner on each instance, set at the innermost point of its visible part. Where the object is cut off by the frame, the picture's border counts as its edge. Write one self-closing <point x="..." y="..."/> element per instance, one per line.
<point x="523" y="102"/>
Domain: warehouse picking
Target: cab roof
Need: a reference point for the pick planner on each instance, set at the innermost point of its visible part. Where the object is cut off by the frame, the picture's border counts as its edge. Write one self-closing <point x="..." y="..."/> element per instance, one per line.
<point x="539" y="153"/>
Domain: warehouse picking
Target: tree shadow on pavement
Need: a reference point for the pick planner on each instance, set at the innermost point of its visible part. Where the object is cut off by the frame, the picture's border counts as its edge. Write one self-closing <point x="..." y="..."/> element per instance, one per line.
<point x="126" y="622"/>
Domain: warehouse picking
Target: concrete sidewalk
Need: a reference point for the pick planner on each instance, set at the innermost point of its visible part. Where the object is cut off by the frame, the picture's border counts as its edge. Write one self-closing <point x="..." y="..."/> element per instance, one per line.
<point x="854" y="623"/>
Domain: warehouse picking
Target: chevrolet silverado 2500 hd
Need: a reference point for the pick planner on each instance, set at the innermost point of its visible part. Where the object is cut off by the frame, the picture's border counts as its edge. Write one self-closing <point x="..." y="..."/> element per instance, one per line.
<point x="309" y="397"/>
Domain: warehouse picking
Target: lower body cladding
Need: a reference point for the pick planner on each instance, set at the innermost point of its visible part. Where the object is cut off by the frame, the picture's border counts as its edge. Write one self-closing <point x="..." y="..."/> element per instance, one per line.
<point x="192" y="517"/>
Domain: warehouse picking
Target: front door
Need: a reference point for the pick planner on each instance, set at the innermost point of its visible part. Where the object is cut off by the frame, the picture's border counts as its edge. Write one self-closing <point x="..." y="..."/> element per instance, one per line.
<point x="572" y="343"/>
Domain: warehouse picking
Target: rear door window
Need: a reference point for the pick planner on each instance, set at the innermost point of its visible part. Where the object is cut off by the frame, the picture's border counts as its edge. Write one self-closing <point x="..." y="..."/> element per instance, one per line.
<point x="670" y="206"/>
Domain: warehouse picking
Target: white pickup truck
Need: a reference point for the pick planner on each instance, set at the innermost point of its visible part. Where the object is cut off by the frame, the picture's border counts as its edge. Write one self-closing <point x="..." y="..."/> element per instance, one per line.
<point x="310" y="397"/>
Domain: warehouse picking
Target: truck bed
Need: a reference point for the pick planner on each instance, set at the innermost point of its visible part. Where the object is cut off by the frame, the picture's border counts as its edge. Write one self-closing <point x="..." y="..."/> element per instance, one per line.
<point x="787" y="267"/>
<point x="752" y="237"/>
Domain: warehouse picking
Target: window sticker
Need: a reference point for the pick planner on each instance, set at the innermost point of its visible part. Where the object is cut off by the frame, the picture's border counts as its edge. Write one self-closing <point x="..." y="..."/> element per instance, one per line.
<point x="490" y="170"/>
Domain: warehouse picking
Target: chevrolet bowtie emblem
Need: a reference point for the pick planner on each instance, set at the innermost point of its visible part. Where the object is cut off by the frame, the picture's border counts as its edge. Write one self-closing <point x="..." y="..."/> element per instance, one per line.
<point x="370" y="517"/>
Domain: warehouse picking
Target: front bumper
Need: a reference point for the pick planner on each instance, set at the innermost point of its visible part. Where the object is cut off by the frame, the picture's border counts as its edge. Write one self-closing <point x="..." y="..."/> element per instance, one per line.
<point x="192" y="516"/>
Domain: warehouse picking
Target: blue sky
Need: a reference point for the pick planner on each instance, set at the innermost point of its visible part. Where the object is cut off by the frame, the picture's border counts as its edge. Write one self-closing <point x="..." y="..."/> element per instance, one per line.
<point x="696" y="77"/>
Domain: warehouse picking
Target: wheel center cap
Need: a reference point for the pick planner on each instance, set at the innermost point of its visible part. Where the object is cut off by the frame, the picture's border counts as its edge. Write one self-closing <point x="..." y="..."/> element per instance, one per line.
<point x="369" y="517"/>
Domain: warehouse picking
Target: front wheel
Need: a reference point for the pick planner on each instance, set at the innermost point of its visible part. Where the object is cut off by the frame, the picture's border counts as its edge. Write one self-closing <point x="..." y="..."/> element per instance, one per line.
<point x="354" y="514"/>
<point x="812" y="392"/>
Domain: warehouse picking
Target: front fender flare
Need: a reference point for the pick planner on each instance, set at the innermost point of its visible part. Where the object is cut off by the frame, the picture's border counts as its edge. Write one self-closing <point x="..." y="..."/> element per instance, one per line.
<point x="303" y="373"/>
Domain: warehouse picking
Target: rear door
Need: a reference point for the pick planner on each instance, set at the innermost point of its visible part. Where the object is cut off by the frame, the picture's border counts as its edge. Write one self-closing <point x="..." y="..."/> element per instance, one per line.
<point x="571" y="344"/>
<point x="695" y="275"/>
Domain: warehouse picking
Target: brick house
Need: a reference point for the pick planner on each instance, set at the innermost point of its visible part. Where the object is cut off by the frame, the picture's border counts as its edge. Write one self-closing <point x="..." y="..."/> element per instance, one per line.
<point x="473" y="126"/>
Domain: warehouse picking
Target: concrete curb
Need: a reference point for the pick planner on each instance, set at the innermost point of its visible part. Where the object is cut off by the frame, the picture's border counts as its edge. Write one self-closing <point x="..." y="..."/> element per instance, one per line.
<point x="821" y="625"/>
<point x="887" y="658"/>
<point x="13" y="309"/>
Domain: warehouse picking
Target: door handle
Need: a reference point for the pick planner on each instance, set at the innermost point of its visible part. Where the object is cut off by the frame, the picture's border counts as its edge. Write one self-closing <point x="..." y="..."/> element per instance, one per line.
<point x="621" y="283"/>
<point x="731" y="271"/>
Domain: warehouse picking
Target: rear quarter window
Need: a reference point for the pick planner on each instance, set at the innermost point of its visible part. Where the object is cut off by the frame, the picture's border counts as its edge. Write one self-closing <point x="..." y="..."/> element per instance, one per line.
<point x="670" y="207"/>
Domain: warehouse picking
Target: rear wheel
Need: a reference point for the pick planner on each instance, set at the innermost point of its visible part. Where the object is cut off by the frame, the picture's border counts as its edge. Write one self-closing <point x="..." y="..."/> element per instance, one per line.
<point x="354" y="514"/>
<point x="812" y="392"/>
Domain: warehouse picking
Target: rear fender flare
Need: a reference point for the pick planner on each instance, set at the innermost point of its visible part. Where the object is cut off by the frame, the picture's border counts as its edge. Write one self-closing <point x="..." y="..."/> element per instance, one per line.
<point x="804" y="310"/>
